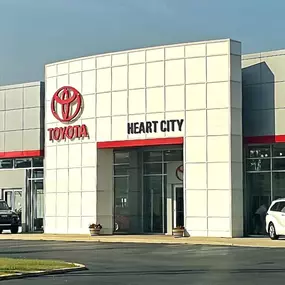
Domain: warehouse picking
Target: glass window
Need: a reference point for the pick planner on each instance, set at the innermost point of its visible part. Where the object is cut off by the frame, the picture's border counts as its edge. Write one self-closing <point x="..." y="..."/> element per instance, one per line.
<point x="39" y="184"/>
<point x="121" y="184"/>
<point x="121" y="169"/>
<point x="153" y="221"/>
<point x="259" y="183"/>
<point x="258" y="151"/>
<point x="23" y="162"/>
<point x="121" y="201"/>
<point x="6" y="163"/>
<point x="278" y="150"/>
<point x="257" y="164"/>
<point x="278" y="163"/>
<point x="4" y="205"/>
<point x="278" y="184"/>
<point x="121" y="157"/>
<point x="153" y="168"/>
<point x="282" y="208"/>
<point x="173" y="155"/>
<point x="38" y="173"/>
<point x="275" y="207"/>
<point x="152" y="156"/>
<point x="38" y="162"/>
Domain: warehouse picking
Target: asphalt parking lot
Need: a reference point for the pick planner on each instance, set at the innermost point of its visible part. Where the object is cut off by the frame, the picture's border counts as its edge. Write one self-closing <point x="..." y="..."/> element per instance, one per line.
<point x="152" y="264"/>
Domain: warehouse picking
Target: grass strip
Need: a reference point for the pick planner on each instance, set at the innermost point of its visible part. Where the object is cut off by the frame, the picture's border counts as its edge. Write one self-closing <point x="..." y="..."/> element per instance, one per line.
<point x="13" y="265"/>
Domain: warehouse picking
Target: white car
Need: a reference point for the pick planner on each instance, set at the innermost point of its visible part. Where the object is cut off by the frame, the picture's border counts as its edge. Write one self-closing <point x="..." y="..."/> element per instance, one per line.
<point x="275" y="219"/>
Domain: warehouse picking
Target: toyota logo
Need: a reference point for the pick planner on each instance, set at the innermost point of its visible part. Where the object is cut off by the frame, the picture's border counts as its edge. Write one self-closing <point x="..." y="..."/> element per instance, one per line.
<point x="70" y="100"/>
<point x="179" y="172"/>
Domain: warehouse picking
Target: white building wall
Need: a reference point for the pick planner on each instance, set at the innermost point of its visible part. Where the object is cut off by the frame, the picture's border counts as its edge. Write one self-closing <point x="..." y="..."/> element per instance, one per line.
<point x="197" y="82"/>
<point x="213" y="146"/>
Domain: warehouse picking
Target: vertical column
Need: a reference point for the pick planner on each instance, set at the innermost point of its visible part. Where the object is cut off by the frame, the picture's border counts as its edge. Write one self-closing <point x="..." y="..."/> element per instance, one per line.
<point x="194" y="148"/>
<point x="218" y="140"/>
<point x="236" y="141"/>
<point x="105" y="193"/>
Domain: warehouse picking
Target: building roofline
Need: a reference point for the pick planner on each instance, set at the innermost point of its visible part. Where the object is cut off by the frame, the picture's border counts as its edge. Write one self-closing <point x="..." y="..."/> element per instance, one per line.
<point x="263" y="54"/>
<point x="141" y="49"/>
<point x="21" y="85"/>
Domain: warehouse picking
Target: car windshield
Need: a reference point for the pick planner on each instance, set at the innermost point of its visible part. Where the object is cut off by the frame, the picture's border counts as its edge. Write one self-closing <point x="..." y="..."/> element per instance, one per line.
<point x="3" y="206"/>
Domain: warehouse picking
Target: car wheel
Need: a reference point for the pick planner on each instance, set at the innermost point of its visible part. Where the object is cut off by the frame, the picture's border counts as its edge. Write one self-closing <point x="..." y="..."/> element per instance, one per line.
<point x="14" y="230"/>
<point x="272" y="232"/>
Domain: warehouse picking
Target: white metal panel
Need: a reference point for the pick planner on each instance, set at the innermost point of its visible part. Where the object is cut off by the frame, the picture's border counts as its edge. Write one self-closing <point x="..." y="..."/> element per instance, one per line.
<point x="196" y="70"/>
<point x="218" y="95"/>
<point x="195" y="149"/>
<point x="62" y="181"/>
<point x="88" y="82"/>
<point x="174" y="98"/>
<point x="218" y="68"/>
<point x="75" y="66"/>
<point x="218" y="148"/>
<point x="219" y="175"/>
<point x="196" y="176"/>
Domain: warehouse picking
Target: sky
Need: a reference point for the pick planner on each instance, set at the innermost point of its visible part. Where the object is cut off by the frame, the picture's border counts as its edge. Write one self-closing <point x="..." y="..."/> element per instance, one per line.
<point x="36" y="32"/>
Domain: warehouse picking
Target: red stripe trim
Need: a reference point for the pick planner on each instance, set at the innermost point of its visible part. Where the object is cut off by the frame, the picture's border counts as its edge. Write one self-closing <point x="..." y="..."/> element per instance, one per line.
<point x="145" y="142"/>
<point x="264" y="139"/>
<point x="20" y="154"/>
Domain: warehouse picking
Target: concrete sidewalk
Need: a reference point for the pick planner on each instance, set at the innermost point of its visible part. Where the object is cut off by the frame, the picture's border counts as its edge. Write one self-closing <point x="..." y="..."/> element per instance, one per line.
<point x="161" y="239"/>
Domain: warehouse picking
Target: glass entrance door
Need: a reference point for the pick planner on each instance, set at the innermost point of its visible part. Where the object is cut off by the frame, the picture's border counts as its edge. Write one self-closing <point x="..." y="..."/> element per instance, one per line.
<point x="153" y="204"/>
<point x="37" y="203"/>
<point x="178" y="206"/>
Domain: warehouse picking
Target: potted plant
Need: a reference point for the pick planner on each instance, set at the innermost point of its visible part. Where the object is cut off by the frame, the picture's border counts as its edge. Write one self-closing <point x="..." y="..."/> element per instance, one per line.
<point x="95" y="229"/>
<point x="178" y="231"/>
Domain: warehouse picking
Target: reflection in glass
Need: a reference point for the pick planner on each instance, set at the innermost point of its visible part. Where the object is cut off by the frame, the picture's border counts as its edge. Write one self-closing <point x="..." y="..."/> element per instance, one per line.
<point x="257" y="164"/>
<point x="278" y="163"/>
<point x="153" y="168"/>
<point x="173" y="155"/>
<point x="121" y="157"/>
<point x="121" y="169"/>
<point x="153" y="221"/>
<point x="259" y="182"/>
<point x="38" y="162"/>
<point x="278" y="184"/>
<point x="121" y="189"/>
<point x="278" y="150"/>
<point x="23" y="163"/>
<point x="258" y="151"/>
<point x="6" y="163"/>
<point x="152" y="156"/>
<point x="38" y="204"/>
<point x="259" y="193"/>
<point x="4" y="206"/>
<point x="38" y="173"/>
<point x="14" y="197"/>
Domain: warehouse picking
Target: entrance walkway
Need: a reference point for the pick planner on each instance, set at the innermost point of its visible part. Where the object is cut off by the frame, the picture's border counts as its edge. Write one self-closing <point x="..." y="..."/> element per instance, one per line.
<point x="161" y="239"/>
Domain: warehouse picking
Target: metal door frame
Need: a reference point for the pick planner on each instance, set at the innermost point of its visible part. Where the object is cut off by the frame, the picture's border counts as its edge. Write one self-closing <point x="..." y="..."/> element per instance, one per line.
<point x="174" y="202"/>
<point x="12" y="190"/>
<point x="33" y="201"/>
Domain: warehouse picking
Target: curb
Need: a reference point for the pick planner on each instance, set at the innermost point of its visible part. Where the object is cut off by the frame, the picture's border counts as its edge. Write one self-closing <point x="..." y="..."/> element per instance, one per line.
<point x="78" y="267"/>
<point x="257" y="243"/>
<point x="182" y="241"/>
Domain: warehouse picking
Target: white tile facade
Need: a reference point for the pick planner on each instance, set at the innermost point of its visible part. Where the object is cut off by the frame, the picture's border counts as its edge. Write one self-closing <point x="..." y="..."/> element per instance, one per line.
<point x="197" y="82"/>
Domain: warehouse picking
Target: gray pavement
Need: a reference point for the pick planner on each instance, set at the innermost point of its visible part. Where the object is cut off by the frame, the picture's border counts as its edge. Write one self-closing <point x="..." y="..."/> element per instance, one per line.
<point x="121" y="264"/>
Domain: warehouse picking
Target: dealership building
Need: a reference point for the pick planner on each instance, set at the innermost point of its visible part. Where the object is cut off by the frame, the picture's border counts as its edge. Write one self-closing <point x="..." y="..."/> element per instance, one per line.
<point x="145" y="140"/>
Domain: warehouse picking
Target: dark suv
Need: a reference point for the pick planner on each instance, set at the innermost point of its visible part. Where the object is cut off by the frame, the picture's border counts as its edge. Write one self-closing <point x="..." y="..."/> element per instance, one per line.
<point x="9" y="220"/>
